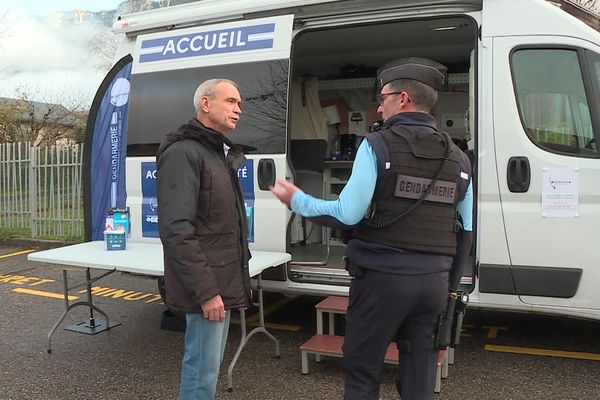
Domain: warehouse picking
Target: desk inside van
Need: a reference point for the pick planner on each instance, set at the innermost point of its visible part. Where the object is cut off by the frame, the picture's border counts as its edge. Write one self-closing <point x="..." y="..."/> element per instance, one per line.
<point x="140" y="259"/>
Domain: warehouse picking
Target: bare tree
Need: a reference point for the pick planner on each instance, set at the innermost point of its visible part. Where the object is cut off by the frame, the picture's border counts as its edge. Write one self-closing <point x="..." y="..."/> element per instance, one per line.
<point x="5" y="26"/>
<point x="589" y="4"/>
<point x="132" y="6"/>
<point x="103" y="45"/>
<point x="61" y="120"/>
<point x="4" y="23"/>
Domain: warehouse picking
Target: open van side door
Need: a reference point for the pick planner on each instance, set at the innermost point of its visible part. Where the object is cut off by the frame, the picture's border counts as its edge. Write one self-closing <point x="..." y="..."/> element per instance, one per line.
<point x="546" y="130"/>
<point x="168" y="67"/>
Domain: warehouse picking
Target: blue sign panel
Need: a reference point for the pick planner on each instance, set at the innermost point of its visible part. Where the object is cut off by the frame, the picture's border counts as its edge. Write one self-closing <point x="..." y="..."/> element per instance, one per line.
<point x="205" y="43"/>
<point x="150" y="204"/>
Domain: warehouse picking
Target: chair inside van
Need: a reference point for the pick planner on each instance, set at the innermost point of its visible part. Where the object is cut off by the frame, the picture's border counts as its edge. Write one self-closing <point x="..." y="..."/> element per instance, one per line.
<point x="307" y="157"/>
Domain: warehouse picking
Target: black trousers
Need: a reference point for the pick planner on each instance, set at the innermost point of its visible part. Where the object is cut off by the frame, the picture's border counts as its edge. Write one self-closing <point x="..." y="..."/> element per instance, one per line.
<point x="386" y="307"/>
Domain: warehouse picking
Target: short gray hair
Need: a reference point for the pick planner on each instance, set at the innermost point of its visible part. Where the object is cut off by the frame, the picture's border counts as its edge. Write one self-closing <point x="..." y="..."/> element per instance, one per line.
<point x="423" y="96"/>
<point x="208" y="89"/>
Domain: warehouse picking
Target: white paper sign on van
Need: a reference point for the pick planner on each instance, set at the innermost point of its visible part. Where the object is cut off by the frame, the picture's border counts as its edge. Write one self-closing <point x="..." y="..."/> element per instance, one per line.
<point x="560" y="192"/>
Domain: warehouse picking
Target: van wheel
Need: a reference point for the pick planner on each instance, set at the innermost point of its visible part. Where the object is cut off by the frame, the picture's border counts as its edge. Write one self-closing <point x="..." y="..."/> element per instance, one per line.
<point x="161" y="288"/>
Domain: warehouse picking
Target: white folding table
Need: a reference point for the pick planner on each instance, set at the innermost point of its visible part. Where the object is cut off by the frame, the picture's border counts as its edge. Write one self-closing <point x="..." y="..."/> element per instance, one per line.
<point x="141" y="259"/>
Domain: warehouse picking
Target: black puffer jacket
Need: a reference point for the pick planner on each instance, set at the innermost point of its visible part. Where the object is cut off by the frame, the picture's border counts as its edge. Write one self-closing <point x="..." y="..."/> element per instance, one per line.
<point x="202" y="219"/>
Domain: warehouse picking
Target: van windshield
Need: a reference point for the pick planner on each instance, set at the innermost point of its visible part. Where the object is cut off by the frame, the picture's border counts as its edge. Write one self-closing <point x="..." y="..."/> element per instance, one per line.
<point x="162" y="101"/>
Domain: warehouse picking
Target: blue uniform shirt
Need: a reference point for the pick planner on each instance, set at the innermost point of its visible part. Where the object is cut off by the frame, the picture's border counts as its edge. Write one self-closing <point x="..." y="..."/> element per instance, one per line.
<point x="354" y="200"/>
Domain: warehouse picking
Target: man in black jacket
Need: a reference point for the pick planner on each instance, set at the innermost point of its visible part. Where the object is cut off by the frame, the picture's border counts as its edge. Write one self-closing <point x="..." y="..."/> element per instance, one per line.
<point x="202" y="223"/>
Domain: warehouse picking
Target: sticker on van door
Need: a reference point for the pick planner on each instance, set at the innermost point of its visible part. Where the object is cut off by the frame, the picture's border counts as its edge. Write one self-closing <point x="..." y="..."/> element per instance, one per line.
<point x="234" y="42"/>
<point x="204" y="43"/>
<point x="246" y="177"/>
<point x="150" y="203"/>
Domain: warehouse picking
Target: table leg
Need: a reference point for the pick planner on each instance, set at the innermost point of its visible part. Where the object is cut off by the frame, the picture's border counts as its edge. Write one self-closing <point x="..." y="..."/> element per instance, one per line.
<point x="238" y="351"/>
<point x="245" y="337"/>
<point x="91" y="327"/>
<point x="64" y="314"/>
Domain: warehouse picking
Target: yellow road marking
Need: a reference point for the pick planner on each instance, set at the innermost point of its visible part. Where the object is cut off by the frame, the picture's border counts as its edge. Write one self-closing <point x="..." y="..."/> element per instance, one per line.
<point x="543" y="352"/>
<point x="493" y="331"/>
<point x="42" y="293"/>
<point x="270" y="325"/>
<point x="270" y="309"/>
<point x="253" y="320"/>
<point x="17" y="253"/>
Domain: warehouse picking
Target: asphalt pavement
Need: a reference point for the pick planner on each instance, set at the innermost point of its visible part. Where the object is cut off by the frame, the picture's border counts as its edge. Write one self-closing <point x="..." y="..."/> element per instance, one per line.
<point x="501" y="356"/>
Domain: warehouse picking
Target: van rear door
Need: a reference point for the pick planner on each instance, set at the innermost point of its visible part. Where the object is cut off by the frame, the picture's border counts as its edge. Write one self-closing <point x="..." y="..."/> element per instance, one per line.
<point x="546" y="127"/>
<point x="167" y="69"/>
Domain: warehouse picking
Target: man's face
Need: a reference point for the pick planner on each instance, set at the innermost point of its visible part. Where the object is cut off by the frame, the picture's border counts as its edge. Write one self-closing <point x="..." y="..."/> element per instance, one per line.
<point x="389" y="102"/>
<point x="223" y="109"/>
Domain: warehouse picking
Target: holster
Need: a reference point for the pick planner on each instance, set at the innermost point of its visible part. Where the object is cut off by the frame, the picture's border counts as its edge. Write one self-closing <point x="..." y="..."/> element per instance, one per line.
<point x="354" y="270"/>
<point x="450" y="322"/>
<point x="459" y="313"/>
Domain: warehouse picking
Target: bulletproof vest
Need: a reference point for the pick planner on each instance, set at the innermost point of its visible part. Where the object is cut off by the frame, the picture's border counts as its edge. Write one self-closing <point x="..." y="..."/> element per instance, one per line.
<point x="414" y="160"/>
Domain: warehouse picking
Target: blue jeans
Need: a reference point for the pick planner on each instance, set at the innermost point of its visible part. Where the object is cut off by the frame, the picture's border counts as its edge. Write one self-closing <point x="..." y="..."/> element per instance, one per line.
<point x="202" y="355"/>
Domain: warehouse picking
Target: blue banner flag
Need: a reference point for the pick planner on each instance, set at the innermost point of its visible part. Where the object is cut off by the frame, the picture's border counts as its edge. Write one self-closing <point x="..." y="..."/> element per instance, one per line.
<point x="105" y="149"/>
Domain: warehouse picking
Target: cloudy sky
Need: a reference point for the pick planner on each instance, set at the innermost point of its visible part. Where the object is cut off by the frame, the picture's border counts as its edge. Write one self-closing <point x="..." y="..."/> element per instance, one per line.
<point x="49" y="57"/>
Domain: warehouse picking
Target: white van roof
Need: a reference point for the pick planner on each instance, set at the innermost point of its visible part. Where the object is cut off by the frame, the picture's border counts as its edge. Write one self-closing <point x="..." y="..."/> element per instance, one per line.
<point x="213" y="11"/>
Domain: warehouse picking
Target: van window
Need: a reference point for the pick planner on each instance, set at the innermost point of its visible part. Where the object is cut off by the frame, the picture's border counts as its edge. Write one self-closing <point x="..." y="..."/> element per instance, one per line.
<point x="162" y="101"/>
<point x="552" y="101"/>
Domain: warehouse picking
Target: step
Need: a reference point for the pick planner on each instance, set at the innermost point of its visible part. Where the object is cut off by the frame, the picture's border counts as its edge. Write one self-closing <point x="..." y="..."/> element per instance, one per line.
<point x="331" y="305"/>
<point x="331" y="345"/>
<point x="334" y="304"/>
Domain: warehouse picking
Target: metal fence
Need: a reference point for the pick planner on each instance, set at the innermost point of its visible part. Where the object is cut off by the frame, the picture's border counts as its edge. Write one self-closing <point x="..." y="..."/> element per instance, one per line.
<point x="41" y="189"/>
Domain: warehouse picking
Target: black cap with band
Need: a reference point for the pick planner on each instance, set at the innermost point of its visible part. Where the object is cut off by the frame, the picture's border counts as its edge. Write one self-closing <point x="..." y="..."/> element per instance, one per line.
<point x="423" y="70"/>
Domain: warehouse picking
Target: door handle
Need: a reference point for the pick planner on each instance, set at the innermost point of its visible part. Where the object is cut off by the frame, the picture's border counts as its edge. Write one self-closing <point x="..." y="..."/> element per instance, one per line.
<point x="518" y="174"/>
<point x="266" y="173"/>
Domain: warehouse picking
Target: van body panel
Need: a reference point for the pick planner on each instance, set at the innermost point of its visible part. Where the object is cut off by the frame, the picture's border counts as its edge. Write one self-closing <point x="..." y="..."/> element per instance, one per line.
<point x="164" y="69"/>
<point x="270" y="218"/>
<point x="531" y="17"/>
<point x="207" y="12"/>
<point x="213" y="11"/>
<point x="534" y="238"/>
<point x="491" y="236"/>
<point x="524" y="255"/>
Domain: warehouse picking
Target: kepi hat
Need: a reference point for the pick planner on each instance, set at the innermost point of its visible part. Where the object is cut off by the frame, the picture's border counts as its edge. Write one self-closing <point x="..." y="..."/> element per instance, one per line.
<point x="423" y="70"/>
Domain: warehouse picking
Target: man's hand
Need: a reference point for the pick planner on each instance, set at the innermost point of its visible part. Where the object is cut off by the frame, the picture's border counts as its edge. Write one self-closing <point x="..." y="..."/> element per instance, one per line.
<point x="284" y="191"/>
<point x="213" y="309"/>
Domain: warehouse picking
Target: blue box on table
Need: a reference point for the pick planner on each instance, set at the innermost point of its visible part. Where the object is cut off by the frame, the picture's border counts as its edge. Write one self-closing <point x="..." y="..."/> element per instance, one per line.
<point x="115" y="240"/>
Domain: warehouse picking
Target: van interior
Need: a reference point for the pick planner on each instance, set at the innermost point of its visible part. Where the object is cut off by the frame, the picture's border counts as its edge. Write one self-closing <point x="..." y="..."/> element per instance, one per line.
<point x="332" y="106"/>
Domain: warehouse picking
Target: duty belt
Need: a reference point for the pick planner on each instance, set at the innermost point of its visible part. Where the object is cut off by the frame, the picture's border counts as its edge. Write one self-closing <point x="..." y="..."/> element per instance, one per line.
<point x="355" y="270"/>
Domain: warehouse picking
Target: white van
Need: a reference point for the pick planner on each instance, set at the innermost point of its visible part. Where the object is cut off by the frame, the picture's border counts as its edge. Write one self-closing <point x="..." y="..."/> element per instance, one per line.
<point x="523" y="94"/>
